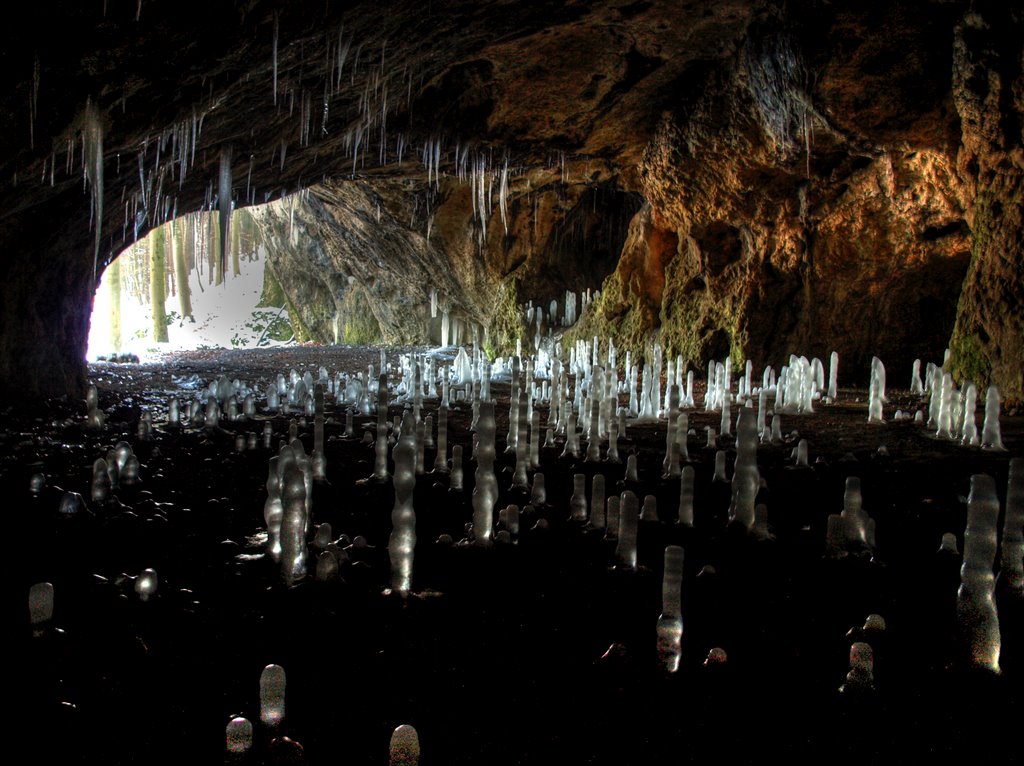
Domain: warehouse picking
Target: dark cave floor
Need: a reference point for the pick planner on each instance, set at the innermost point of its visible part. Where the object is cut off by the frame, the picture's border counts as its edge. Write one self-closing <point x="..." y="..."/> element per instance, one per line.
<point x="499" y="655"/>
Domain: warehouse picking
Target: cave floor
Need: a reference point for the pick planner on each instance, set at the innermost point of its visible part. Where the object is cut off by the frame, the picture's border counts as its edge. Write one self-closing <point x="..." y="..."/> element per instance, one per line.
<point x="500" y="656"/>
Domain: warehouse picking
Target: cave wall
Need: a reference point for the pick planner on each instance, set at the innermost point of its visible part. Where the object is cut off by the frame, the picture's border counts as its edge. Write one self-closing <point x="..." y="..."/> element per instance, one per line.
<point x="742" y="177"/>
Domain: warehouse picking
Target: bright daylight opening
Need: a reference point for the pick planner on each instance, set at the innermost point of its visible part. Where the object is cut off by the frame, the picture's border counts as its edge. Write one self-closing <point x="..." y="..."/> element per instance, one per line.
<point x="203" y="305"/>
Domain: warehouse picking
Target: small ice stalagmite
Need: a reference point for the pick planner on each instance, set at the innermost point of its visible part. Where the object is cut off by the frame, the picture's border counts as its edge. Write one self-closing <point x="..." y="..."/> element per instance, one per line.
<point x="876" y="391"/>
<point x="572" y="438"/>
<point x="720" y="467"/>
<point x="625" y="551"/>
<point x="455" y="479"/>
<point x="100" y="481"/>
<point x="862" y="668"/>
<point x="776" y="429"/>
<point x="801" y="454"/>
<point x="976" y="608"/>
<point x="485" y="493"/>
<point x="712" y="439"/>
<point x="916" y="386"/>
<point x="631" y="474"/>
<point x="40" y="606"/>
<point x="991" y="437"/>
<point x="272" y="689"/>
<point x="405" y="747"/>
<point x="146" y="584"/>
<point x="969" y="428"/>
<point x="273" y="510"/>
<point x="745" y="478"/>
<point x="293" y="524"/>
<point x="594" y="443"/>
<point x="238" y="735"/>
<point x="520" y="480"/>
<point x="402" y="543"/>
<point x="441" y="458"/>
<point x="649" y="510"/>
<point x="948" y="544"/>
<point x="611" y="517"/>
<point x="597" y="502"/>
<point x="613" y="442"/>
<point x="686" y="496"/>
<point x="945" y="427"/>
<point x="670" y="623"/>
<point x="578" y="501"/>
<point x="1011" y="569"/>
<point x="833" y="376"/>
<point x="538" y="493"/>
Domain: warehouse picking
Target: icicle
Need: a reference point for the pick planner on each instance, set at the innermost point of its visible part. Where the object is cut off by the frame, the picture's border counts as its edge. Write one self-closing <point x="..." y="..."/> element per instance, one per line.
<point x="273" y="59"/>
<point x="92" y="140"/>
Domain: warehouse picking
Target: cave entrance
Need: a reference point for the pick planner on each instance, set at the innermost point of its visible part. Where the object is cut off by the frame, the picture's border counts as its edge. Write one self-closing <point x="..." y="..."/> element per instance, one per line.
<point x="203" y="305"/>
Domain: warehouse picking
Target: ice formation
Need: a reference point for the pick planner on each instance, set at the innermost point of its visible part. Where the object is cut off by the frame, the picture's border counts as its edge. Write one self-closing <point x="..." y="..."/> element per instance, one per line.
<point x="631" y="474"/>
<point x="272" y="688"/>
<point x="40" y="606"/>
<point x="670" y="623"/>
<point x="948" y="544"/>
<point x="455" y="480"/>
<point x="273" y="509"/>
<point x="969" y="428"/>
<point x="146" y="584"/>
<point x="745" y="478"/>
<point x="597" y="502"/>
<point x="1011" y="570"/>
<point x="686" y="496"/>
<point x="976" y="609"/>
<point x="538" y="492"/>
<point x="649" y="510"/>
<point x="625" y="551"/>
<point x="876" y="391"/>
<point x="293" y="523"/>
<point x="991" y="437"/>
<point x="862" y="668"/>
<point x="578" y="501"/>
<point x="916" y="386"/>
<point x="720" y="466"/>
<point x="402" y="542"/>
<point x="238" y="735"/>
<point x="405" y="747"/>
<point x="833" y="376"/>
<point x="485" y="493"/>
<point x="801" y="454"/>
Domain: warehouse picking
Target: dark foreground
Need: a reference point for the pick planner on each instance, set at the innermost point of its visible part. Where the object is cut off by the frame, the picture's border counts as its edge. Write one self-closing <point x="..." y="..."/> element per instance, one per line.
<point x="501" y="655"/>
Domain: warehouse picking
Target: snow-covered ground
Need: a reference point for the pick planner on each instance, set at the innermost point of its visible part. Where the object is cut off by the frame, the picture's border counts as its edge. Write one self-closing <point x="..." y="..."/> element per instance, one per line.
<point x="221" y="313"/>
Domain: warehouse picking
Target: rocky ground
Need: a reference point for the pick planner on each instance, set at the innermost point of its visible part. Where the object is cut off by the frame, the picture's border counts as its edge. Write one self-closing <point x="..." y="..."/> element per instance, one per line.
<point x="537" y="652"/>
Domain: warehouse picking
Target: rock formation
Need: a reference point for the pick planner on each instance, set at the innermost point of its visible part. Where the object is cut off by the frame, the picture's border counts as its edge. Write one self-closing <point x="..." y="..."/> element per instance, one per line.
<point x="736" y="178"/>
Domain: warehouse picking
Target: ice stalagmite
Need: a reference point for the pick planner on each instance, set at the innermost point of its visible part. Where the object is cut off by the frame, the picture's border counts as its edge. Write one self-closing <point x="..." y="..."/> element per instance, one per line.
<point x="876" y="391"/>
<point x="991" y="437"/>
<point x="455" y="480"/>
<point x="862" y="668"/>
<point x="625" y="551"/>
<point x="686" y="496"/>
<point x="833" y="376"/>
<point x="238" y="735"/>
<point x="485" y="494"/>
<point x="402" y="542"/>
<point x="578" y="501"/>
<point x="1011" y="570"/>
<point x="146" y="584"/>
<point x="945" y="427"/>
<point x="273" y="510"/>
<point x="441" y="458"/>
<point x="293" y="524"/>
<point x="720" y="467"/>
<point x="916" y="386"/>
<point x="272" y="688"/>
<point x="100" y="481"/>
<point x="405" y="747"/>
<point x="40" y="606"/>
<point x="976" y="609"/>
<point x="597" y="502"/>
<point x="670" y="623"/>
<point x="520" y="480"/>
<point x="745" y="477"/>
<point x="538" y="492"/>
<point x="969" y="429"/>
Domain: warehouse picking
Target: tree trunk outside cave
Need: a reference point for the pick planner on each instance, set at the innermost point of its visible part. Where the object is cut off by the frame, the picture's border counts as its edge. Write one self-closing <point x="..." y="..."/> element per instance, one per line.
<point x="181" y="269"/>
<point x="115" y="304"/>
<point x="156" y="284"/>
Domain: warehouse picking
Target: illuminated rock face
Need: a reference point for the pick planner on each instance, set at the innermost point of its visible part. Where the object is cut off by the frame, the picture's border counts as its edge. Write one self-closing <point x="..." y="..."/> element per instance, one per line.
<point x="763" y="182"/>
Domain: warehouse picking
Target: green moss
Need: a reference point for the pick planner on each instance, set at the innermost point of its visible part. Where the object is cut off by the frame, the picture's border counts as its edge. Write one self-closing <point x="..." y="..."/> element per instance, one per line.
<point x="358" y="325"/>
<point x="272" y="295"/>
<point x="968" y="360"/>
<point x="506" y="322"/>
